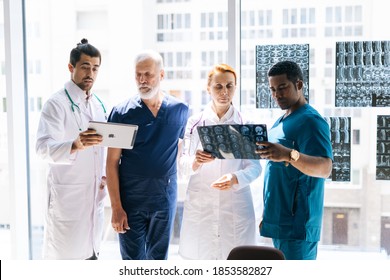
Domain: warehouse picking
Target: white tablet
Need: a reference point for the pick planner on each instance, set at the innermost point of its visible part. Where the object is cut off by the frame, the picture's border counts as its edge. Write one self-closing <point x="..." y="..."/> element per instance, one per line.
<point x="115" y="135"/>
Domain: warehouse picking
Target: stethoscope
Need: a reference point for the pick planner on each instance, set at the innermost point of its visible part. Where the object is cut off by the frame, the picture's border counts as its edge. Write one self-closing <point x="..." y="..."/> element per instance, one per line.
<point x="73" y="105"/>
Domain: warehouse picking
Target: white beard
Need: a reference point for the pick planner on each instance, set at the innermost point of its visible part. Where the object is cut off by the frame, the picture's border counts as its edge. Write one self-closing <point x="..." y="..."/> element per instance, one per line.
<point x="150" y="94"/>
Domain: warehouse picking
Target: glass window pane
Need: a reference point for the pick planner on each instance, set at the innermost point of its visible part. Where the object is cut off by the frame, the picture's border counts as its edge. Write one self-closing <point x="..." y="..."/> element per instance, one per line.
<point x="312" y="16"/>
<point x="322" y="72"/>
<point x="285" y="17"/>
<point x="348" y="14"/>
<point x="5" y="214"/>
<point x="294" y="16"/>
<point x="48" y="58"/>
<point x="338" y="14"/>
<point x="303" y="16"/>
<point x="329" y="15"/>
<point x="358" y="14"/>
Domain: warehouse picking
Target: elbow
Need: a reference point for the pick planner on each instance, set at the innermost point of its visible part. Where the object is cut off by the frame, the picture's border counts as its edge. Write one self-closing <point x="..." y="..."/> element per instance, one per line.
<point x="328" y="168"/>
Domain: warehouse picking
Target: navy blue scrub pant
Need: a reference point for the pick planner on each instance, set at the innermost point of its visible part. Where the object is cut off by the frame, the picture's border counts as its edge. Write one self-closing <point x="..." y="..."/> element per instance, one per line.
<point x="149" y="235"/>
<point x="150" y="205"/>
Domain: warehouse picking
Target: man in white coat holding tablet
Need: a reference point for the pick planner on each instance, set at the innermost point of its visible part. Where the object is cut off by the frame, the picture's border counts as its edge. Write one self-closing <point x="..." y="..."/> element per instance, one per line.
<point x="76" y="178"/>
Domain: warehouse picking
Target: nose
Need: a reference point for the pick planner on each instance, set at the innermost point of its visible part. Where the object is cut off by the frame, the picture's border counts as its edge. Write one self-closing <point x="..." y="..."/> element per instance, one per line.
<point x="142" y="79"/>
<point x="90" y="71"/>
<point x="224" y="91"/>
<point x="277" y="93"/>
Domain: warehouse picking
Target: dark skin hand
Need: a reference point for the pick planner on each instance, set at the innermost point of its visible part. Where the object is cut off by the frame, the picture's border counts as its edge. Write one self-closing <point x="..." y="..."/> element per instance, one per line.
<point x="273" y="151"/>
<point x="320" y="167"/>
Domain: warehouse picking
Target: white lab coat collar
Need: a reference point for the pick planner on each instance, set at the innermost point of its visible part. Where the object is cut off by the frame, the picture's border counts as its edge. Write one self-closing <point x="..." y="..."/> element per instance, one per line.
<point x="231" y="116"/>
<point x="77" y="94"/>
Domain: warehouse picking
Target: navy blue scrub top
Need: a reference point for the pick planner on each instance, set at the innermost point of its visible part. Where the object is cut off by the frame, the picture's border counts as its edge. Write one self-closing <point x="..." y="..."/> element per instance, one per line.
<point x="156" y="144"/>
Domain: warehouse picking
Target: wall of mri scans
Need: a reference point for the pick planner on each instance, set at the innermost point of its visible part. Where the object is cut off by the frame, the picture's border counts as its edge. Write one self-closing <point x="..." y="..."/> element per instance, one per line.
<point x="362" y="80"/>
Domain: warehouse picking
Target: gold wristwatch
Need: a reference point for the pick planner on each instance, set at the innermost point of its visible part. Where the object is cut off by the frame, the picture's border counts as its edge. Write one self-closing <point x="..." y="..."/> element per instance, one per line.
<point x="294" y="155"/>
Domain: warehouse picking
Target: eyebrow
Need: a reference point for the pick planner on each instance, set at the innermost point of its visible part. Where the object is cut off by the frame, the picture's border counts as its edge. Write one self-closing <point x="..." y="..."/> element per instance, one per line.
<point x="89" y="64"/>
<point x="229" y="82"/>
<point x="280" y="85"/>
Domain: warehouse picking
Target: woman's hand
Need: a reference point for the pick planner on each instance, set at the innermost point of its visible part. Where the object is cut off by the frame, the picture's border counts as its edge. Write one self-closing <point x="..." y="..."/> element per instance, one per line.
<point x="201" y="157"/>
<point x="225" y="182"/>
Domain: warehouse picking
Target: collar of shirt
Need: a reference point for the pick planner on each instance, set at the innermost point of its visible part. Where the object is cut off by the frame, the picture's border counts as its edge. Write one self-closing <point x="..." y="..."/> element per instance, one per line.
<point x="76" y="93"/>
<point x="212" y="116"/>
<point x="87" y="98"/>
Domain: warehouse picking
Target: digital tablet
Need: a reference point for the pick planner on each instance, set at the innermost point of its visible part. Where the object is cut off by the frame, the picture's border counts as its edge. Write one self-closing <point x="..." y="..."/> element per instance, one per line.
<point x="232" y="141"/>
<point x="115" y="135"/>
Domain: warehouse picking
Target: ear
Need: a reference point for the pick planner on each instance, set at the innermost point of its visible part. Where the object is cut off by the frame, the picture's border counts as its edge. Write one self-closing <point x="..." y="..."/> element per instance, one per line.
<point x="299" y="84"/>
<point x="162" y="74"/>
<point x="70" y="67"/>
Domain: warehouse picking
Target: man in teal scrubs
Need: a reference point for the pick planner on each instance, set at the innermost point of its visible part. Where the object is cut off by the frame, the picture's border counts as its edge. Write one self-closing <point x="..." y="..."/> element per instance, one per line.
<point x="299" y="154"/>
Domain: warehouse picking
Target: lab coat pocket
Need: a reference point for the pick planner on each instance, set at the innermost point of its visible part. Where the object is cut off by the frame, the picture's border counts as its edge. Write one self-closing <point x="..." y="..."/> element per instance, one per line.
<point x="68" y="202"/>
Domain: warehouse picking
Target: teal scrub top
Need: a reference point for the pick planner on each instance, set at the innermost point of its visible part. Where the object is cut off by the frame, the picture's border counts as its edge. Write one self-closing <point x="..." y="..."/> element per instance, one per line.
<point x="293" y="201"/>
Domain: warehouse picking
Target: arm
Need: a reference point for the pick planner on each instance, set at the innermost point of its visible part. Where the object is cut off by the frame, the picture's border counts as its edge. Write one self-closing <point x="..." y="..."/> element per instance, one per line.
<point x="55" y="133"/>
<point x="251" y="170"/>
<point x="313" y="166"/>
<point x="310" y="165"/>
<point x="119" y="217"/>
<point x="51" y="144"/>
<point x="190" y="145"/>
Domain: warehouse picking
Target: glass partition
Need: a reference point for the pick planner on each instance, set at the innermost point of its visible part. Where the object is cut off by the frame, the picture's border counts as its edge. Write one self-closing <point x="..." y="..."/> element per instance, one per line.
<point x="5" y="238"/>
<point x="356" y="201"/>
<point x="191" y="37"/>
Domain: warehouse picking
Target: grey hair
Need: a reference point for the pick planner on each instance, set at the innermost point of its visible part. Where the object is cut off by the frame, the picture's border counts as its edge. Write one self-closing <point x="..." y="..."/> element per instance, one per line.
<point x="150" y="54"/>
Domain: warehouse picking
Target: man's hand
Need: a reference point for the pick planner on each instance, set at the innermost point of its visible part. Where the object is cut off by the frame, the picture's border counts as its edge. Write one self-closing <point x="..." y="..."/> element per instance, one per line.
<point x="119" y="220"/>
<point x="273" y="151"/>
<point x="86" y="139"/>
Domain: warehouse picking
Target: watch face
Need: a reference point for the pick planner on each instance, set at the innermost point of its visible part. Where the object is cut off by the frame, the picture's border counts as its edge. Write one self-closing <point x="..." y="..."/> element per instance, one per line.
<point x="294" y="155"/>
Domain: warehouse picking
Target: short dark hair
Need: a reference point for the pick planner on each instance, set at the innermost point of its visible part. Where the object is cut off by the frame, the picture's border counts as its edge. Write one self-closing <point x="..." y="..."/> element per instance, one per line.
<point x="83" y="48"/>
<point x="290" y="68"/>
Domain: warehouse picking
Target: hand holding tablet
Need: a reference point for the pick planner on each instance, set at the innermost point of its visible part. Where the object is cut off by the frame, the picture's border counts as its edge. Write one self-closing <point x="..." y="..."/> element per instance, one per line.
<point x="115" y="135"/>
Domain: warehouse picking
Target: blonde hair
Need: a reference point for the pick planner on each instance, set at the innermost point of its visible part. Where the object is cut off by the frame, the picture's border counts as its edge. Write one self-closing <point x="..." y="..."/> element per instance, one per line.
<point x="221" y="68"/>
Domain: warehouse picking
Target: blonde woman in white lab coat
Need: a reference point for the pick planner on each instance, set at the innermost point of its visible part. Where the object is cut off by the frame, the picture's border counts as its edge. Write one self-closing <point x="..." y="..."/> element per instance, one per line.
<point x="76" y="177"/>
<point x="218" y="209"/>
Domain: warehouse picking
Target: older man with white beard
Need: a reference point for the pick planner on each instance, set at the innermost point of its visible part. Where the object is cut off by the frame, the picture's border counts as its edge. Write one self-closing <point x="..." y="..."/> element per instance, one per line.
<point x="142" y="182"/>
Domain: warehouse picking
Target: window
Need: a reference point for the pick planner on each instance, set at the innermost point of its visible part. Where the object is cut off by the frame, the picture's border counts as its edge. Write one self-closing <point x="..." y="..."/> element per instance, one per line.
<point x="329" y="56"/>
<point x="341" y="22"/>
<point x="5" y="207"/>
<point x="191" y="40"/>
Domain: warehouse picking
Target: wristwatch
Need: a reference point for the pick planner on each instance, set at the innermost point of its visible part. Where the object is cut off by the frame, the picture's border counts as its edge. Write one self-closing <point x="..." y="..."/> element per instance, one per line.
<point x="294" y="155"/>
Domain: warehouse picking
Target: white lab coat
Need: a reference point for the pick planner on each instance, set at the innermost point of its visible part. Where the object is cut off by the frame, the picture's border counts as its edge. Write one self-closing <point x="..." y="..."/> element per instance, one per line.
<point x="215" y="221"/>
<point x="74" y="206"/>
